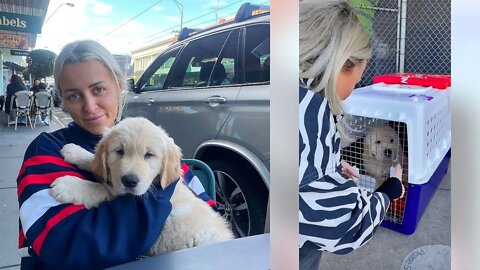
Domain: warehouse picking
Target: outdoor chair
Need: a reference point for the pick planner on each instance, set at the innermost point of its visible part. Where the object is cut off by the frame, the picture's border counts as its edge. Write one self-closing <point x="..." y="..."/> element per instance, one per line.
<point x="204" y="174"/>
<point x="20" y="105"/>
<point x="42" y="106"/>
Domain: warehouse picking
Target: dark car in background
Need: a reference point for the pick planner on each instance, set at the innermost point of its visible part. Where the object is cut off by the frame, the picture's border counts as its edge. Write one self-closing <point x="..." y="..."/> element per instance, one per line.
<point x="210" y="91"/>
<point x="57" y="100"/>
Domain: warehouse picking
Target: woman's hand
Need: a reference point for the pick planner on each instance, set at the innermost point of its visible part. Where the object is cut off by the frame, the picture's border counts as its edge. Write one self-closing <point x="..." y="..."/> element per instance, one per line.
<point x="349" y="171"/>
<point x="398" y="175"/>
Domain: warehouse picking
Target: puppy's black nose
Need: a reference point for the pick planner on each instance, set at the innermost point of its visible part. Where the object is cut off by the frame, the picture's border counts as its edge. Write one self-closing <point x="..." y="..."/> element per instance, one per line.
<point x="130" y="180"/>
<point x="388" y="152"/>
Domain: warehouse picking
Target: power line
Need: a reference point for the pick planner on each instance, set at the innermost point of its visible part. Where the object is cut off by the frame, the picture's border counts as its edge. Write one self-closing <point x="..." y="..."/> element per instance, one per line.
<point x="200" y="23"/>
<point x="155" y="36"/>
<point x="199" y="17"/>
<point x="121" y="25"/>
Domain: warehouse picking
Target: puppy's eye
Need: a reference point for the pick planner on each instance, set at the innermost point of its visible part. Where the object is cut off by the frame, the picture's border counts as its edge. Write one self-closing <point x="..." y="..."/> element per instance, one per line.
<point x="120" y="152"/>
<point x="391" y="140"/>
<point x="377" y="142"/>
<point x="148" y="155"/>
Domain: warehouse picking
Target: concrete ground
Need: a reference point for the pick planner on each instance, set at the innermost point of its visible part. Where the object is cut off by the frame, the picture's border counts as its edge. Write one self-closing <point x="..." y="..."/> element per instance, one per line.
<point x="13" y="144"/>
<point x="388" y="249"/>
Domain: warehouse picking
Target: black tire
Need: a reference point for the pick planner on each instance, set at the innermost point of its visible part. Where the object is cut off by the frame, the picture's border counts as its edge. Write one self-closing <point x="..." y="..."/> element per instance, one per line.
<point x="246" y="206"/>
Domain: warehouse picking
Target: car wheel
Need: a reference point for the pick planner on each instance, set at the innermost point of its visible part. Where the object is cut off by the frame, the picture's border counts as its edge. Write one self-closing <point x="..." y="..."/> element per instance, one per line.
<point x="241" y="199"/>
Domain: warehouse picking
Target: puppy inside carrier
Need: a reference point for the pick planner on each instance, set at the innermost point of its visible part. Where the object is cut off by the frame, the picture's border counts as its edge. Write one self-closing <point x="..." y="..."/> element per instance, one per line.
<point x="379" y="145"/>
<point x="399" y="124"/>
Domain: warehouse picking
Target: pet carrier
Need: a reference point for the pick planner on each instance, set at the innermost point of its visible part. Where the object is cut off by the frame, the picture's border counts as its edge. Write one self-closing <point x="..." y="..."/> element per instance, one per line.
<point x="399" y="124"/>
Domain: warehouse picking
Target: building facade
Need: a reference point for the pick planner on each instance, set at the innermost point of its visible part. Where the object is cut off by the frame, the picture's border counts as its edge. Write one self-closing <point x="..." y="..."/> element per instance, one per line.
<point x="144" y="56"/>
<point x="20" y="22"/>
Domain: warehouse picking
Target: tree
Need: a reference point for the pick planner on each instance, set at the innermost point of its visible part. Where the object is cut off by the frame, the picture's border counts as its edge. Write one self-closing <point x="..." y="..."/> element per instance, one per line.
<point x="40" y="63"/>
<point x="25" y="74"/>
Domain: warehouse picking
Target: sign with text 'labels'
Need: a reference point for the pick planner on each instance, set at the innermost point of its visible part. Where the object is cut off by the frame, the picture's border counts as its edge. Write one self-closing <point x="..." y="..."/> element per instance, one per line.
<point x="20" y="23"/>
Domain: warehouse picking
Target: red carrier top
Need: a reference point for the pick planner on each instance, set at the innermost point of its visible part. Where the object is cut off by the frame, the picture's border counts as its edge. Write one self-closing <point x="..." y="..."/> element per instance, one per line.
<point x="440" y="82"/>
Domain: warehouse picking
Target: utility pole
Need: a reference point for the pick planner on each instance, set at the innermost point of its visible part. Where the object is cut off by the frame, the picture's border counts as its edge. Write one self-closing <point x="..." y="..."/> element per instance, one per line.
<point x="216" y="12"/>
<point x="180" y="7"/>
<point x="55" y="11"/>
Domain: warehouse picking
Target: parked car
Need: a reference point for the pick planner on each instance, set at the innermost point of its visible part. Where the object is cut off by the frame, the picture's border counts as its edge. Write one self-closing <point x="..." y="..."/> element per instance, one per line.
<point x="57" y="101"/>
<point x="210" y="91"/>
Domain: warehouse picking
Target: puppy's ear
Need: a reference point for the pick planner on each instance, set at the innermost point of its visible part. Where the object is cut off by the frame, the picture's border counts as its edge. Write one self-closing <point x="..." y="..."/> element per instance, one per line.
<point x="367" y="142"/>
<point x="366" y="139"/>
<point x="99" y="165"/>
<point x="171" y="169"/>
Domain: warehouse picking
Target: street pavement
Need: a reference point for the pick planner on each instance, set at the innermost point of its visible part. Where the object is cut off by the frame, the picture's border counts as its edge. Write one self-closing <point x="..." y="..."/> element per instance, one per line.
<point x="427" y="248"/>
<point x="390" y="250"/>
<point x="13" y="144"/>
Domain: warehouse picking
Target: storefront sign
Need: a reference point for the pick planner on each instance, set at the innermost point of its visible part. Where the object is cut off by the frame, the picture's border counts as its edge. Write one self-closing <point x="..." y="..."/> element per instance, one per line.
<point x="14" y="41"/>
<point x="20" y="23"/>
<point x="19" y="52"/>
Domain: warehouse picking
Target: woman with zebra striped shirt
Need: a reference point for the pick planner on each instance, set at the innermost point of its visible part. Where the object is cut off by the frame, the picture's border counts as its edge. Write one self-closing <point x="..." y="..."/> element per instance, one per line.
<point x="335" y="215"/>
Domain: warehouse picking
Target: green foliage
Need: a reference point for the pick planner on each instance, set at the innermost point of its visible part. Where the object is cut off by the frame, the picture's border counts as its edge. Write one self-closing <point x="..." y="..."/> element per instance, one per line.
<point x="40" y="63"/>
<point x="365" y="10"/>
<point x="25" y="73"/>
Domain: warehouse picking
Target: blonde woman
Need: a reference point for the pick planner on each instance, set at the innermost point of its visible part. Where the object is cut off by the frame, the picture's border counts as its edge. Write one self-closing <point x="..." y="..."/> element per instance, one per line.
<point x="65" y="236"/>
<point x="335" y="215"/>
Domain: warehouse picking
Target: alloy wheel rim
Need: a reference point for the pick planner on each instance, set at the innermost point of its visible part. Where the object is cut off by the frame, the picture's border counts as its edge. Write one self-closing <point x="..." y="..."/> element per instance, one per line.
<point x="232" y="204"/>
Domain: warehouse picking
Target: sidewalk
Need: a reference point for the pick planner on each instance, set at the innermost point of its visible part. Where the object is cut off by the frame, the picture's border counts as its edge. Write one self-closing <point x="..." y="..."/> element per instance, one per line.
<point x="13" y="144"/>
<point x="388" y="249"/>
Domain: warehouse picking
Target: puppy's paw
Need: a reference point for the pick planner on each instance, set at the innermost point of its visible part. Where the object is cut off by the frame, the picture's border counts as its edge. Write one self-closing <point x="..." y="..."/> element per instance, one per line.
<point x="76" y="155"/>
<point x="70" y="152"/>
<point x="74" y="190"/>
<point x="63" y="189"/>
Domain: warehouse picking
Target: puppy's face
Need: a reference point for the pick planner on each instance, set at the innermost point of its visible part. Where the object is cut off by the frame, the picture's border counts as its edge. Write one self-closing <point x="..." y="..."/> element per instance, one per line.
<point x="135" y="153"/>
<point x="382" y="143"/>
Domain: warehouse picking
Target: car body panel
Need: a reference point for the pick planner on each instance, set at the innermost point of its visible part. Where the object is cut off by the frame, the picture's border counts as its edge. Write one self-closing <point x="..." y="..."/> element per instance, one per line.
<point x="258" y="164"/>
<point x="249" y="122"/>
<point x="184" y="114"/>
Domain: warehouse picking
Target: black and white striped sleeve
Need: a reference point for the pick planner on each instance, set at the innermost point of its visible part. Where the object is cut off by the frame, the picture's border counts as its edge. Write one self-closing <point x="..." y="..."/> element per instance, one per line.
<point x="335" y="215"/>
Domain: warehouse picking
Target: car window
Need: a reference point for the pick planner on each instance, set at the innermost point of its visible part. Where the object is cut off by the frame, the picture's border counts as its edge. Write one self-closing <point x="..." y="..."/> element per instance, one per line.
<point x="197" y="61"/>
<point x="157" y="80"/>
<point x="257" y="54"/>
<point x="228" y="63"/>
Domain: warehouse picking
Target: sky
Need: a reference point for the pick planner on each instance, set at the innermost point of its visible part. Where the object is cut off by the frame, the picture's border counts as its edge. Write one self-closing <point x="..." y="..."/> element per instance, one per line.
<point x="125" y="25"/>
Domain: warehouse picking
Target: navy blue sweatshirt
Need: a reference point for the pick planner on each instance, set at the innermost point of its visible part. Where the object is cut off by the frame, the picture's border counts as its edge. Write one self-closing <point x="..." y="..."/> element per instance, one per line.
<point x="66" y="236"/>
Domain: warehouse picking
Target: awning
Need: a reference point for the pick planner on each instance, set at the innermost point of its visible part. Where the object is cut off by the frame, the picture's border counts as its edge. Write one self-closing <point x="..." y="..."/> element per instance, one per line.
<point x="25" y="8"/>
<point x="13" y="66"/>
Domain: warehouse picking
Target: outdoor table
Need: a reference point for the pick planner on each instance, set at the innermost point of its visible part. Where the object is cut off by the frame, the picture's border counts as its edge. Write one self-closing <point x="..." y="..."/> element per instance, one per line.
<point x="251" y="252"/>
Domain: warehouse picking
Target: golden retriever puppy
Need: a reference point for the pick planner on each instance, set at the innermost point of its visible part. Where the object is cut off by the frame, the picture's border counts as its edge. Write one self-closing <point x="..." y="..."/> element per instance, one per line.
<point x="128" y="158"/>
<point x="381" y="151"/>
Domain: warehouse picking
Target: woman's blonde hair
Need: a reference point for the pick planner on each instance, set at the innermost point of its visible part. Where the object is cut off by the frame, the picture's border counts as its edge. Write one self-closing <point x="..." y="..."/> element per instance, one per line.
<point x="331" y="37"/>
<point x="86" y="50"/>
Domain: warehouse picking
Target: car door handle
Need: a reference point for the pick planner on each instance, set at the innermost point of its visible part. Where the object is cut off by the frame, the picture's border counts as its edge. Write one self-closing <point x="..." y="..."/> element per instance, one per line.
<point x="150" y="101"/>
<point x="215" y="100"/>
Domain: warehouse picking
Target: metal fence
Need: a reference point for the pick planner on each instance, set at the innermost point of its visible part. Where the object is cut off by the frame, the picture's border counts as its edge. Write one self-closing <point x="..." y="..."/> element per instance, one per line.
<point x="410" y="36"/>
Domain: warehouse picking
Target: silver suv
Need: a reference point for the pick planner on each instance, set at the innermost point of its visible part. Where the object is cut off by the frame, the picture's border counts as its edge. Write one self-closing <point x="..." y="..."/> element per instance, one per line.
<point x="210" y="91"/>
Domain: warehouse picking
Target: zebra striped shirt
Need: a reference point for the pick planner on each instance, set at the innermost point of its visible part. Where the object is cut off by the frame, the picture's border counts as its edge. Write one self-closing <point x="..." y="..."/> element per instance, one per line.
<point x="335" y="215"/>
